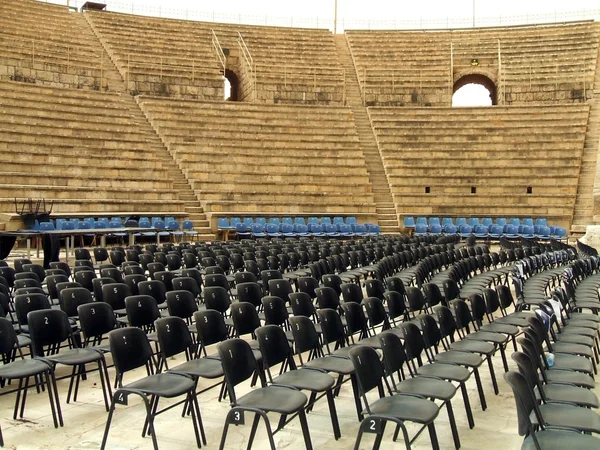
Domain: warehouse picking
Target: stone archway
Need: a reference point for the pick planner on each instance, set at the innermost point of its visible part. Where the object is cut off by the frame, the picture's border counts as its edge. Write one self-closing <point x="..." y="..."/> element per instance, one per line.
<point x="234" y="85"/>
<point x="477" y="81"/>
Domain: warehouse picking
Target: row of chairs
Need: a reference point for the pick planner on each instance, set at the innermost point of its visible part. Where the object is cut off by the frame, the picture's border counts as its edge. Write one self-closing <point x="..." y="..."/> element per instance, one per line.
<point x="227" y="223"/>
<point x="286" y="230"/>
<point x="409" y="221"/>
<point x="494" y="231"/>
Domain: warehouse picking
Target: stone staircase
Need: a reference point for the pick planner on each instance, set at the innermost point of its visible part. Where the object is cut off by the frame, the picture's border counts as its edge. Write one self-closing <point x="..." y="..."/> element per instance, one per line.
<point x="185" y="193"/>
<point x="385" y="209"/>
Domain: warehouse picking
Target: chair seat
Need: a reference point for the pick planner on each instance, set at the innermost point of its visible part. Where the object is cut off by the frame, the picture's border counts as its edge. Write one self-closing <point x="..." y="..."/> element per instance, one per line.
<point x="459" y="358"/>
<point x="572" y="362"/>
<point x="473" y="346"/>
<point x="371" y="342"/>
<point x="75" y="356"/>
<point x="444" y="372"/>
<point x="332" y="364"/>
<point x="276" y="399"/>
<point x="23" y="341"/>
<point x="570" y="394"/>
<point x="203" y="368"/>
<point x="585" y="316"/>
<point x="576" y="339"/>
<point x="166" y="385"/>
<point x="512" y="319"/>
<point x="567" y="376"/>
<point x="505" y="328"/>
<point x="572" y="349"/>
<point x="23" y="368"/>
<point x="406" y="408"/>
<point x="496" y="338"/>
<point x="306" y="379"/>
<point x="572" y="330"/>
<point x="559" y="440"/>
<point x="428" y="387"/>
<point x="568" y="416"/>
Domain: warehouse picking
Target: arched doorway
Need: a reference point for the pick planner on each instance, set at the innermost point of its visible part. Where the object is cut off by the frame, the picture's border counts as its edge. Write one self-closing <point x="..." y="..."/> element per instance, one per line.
<point x="232" y="85"/>
<point x="474" y="90"/>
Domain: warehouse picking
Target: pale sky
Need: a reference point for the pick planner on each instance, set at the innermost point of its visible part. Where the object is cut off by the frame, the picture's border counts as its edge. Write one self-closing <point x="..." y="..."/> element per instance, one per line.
<point x="364" y="14"/>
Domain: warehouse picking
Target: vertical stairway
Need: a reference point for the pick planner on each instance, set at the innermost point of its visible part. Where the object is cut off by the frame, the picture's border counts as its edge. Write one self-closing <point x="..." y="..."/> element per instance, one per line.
<point x="583" y="213"/>
<point x="192" y="205"/>
<point x="384" y="203"/>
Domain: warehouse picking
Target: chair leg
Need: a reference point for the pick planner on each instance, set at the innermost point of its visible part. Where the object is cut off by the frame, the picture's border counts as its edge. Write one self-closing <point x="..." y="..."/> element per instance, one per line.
<point x="18" y="399"/>
<point x="53" y="391"/>
<point x="492" y="374"/>
<point x="379" y="436"/>
<point x="453" y="424"/>
<point x="503" y="355"/>
<point x="305" y="430"/>
<point x="105" y="381"/>
<point x="108" y="421"/>
<point x="480" y="389"/>
<point x="333" y="413"/>
<point x="356" y="397"/>
<point x="465" y="395"/>
<point x="253" y="431"/>
<point x="195" y="417"/>
<point x="433" y="436"/>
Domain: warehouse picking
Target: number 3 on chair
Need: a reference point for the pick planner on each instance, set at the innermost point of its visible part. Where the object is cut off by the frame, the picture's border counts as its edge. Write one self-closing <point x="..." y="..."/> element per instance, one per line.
<point x="237" y="418"/>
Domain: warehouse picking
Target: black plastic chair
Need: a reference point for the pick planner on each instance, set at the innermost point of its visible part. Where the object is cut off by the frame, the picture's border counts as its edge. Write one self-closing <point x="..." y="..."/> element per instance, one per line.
<point x="239" y="364"/>
<point x="536" y="423"/>
<point x="396" y="408"/>
<point x="130" y="349"/>
<point x="276" y="350"/>
<point x="51" y="328"/>
<point x="182" y="304"/>
<point x="96" y="320"/>
<point x="187" y="284"/>
<point x="22" y="369"/>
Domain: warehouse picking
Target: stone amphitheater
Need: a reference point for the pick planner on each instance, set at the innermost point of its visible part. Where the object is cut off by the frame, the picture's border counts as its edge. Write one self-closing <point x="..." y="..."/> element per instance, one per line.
<point x="109" y="114"/>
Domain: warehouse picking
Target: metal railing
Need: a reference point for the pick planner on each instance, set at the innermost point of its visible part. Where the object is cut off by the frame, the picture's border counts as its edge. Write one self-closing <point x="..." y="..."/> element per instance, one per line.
<point x="219" y="51"/>
<point x="66" y="58"/>
<point x="249" y="65"/>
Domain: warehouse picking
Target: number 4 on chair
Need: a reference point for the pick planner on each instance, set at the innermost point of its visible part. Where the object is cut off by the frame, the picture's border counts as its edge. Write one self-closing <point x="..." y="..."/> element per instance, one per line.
<point x="121" y="397"/>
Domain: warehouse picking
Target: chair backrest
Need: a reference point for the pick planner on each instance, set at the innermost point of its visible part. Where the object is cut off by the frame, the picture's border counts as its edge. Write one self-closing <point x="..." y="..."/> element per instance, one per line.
<point x="249" y="293"/>
<point x="525" y="401"/>
<point x="356" y="322"/>
<point x="130" y="349"/>
<point x="8" y="340"/>
<point x="376" y="312"/>
<point x="181" y="304"/>
<point x="26" y="303"/>
<point x="367" y="368"/>
<point x="217" y="298"/>
<point x="71" y="298"/>
<point x="395" y="303"/>
<point x="274" y="347"/>
<point x="394" y="355"/>
<point x="327" y="298"/>
<point x="305" y="334"/>
<point x="245" y="318"/>
<point x="275" y="311"/>
<point x="96" y="319"/>
<point x="302" y="304"/>
<point x="331" y="327"/>
<point x="413" y="341"/>
<point x="238" y="364"/>
<point x="47" y="328"/>
<point x="210" y="327"/>
<point x="280" y="288"/>
<point x="154" y="288"/>
<point x="308" y="285"/>
<point x="142" y="311"/>
<point x="174" y="336"/>
<point x="352" y="293"/>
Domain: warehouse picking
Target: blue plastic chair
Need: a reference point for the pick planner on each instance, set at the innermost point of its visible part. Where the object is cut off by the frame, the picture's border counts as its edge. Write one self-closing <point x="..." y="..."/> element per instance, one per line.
<point x="450" y="229"/>
<point x="350" y="220"/>
<point x="422" y="221"/>
<point x="474" y="221"/>
<point x="242" y="230"/>
<point x="514" y="221"/>
<point x="465" y="230"/>
<point x="332" y="230"/>
<point x="174" y="228"/>
<point x="496" y="231"/>
<point x="326" y="220"/>
<point x="542" y="222"/>
<point x="188" y="228"/>
<point x="528" y="221"/>
<point x="543" y="232"/>
<point x="273" y="230"/>
<point x="287" y="220"/>
<point x="527" y="232"/>
<point x="511" y="231"/>
<point x="67" y="225"/>
<point x="560" y="233"/>
<point x="359" y="229"/>
<point x="261" y="220"/>
<point x="345" y="229"/>
<point x="460" y="221"/>
<point x="47" y="226"/>
<point x="420" y="229"/>
<point x="373" y="229"/>
<point x="436" y="228"/>
<point x="312" y="219"/>
<point x="287" y="230"/>
<point x="299" y="220"/>
<point x="234" y="221"/>
<point x="315" y="229"/>
<point x="275" y="220"/>
<point x="447" y="221"/>
<point x="223" y="223"/>
<point x="338" y="220"/>
<point x="434" y="221"/>
<point x="487" y="221"/>
<point x="409" y="222"/>
<point x="480" y="231"/>
<point x="301" y="229"/>
<point x="501" y="221"/>
<point x="248" y="221"/>
<point x="258" y="230"/>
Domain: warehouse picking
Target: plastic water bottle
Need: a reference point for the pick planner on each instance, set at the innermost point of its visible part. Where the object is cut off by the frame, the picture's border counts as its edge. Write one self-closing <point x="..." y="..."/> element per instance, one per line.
<point x="550" y="359"/>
